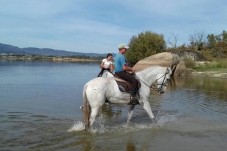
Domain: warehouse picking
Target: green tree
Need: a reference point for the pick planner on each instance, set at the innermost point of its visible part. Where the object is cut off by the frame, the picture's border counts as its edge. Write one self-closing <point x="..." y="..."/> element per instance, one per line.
<point x="197" y="41"/>
<point x="211" y="41"/>
<point x="216" y="45"/>
<point x="224" y="36"/>
<point x="143" y="45"/>
<point x="221" y="46"/>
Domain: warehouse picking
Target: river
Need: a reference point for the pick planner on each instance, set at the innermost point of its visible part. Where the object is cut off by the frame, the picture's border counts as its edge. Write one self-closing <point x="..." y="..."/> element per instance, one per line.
<point x="39" y="104"/>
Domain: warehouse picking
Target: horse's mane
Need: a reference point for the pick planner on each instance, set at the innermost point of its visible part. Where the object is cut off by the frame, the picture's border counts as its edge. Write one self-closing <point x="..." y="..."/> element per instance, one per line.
<point x="155" y="67"/>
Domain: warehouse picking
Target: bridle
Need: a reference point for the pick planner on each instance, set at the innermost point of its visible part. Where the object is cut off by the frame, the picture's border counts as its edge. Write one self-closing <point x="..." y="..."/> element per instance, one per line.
<point x="155" y="86"/>
<point x="164" y="83"/>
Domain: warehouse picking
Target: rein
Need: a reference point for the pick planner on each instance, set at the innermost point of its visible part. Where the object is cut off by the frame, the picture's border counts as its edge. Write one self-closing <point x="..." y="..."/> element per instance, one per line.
<point x="144" y="82"/>
<point x="163" y="83"/>
<point x="153" y="85"/>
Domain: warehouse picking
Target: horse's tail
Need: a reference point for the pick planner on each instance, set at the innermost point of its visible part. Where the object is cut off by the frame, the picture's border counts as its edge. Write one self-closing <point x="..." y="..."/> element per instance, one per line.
<point x="86" y="109"/>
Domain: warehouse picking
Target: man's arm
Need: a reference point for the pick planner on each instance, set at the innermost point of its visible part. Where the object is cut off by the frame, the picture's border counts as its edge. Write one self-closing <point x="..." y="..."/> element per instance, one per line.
<point x="126" y="68"/>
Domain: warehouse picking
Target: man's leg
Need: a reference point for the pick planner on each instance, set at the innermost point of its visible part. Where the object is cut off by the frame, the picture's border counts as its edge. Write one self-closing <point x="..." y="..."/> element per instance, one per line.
<point x="129" y="77"/>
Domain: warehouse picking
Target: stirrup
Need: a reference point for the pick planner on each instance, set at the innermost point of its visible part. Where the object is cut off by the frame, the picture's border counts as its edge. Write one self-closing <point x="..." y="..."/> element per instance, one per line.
<point x="133" y="100"/>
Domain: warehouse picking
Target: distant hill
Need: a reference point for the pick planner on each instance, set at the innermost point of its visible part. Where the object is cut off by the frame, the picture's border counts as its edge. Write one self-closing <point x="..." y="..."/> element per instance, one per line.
<point x="9" y="49"/>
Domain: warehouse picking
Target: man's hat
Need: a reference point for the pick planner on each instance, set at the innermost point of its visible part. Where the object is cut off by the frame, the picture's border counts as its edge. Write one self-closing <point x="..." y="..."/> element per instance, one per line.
<point x="122" y="46"/>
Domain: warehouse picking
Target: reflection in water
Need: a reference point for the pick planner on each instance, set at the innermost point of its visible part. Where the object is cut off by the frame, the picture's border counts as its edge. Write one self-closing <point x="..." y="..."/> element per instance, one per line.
<point x="205" y="85"/>
<point x="130" y="147"/>
<point x="112" y="111"/>
<point x="199" y="95"/>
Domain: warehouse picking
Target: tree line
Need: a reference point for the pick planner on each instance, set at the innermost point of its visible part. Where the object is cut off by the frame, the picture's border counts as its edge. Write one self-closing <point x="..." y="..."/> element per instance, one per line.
<point x="148" y="43"/>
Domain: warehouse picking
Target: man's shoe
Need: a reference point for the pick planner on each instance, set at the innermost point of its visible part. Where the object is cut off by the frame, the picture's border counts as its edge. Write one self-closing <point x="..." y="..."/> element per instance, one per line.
<point x="133" y="100"/>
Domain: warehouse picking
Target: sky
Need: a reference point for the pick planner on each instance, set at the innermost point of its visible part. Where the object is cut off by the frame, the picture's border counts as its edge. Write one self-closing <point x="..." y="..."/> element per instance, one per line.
<point x="99" y="26"/>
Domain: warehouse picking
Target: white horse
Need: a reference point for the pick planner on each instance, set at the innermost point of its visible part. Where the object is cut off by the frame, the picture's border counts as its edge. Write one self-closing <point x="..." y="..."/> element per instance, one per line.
<point x="107" y="74"/>
<point x="100" y="89"/>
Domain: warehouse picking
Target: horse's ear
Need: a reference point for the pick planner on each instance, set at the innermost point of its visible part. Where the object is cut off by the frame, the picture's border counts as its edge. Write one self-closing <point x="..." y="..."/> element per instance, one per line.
<point x="169" y="70"/>
<point x="173" y="67"/>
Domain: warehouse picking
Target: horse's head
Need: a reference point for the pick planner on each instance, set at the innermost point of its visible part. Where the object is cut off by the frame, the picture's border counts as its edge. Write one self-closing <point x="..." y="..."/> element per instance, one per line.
<point x="162" y="81"/>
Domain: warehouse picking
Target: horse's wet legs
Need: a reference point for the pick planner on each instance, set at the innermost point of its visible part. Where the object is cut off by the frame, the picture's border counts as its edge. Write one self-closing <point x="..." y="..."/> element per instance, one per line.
<point x="130" y="112"/>
<point x="94" y="113"/>
<point x="147" y="108"/>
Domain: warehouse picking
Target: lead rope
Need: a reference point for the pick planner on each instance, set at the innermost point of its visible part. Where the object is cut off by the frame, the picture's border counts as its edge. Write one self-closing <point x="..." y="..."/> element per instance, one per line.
<point x="143" y="81"/>
<point x="152" y="86"/>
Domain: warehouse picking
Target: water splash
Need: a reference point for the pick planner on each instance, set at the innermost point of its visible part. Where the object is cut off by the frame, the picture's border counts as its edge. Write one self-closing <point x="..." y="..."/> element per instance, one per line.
<point x="103" y="125"/>
<point x="162" y="119"/>
<point x="77" y="126"/>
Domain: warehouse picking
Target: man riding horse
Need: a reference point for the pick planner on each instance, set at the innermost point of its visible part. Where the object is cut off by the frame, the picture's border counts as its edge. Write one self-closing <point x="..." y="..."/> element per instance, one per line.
<point x="122" y="70"/>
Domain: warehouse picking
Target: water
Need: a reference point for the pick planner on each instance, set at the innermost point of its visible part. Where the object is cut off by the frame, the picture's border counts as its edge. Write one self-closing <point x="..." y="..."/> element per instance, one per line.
<point x="39" y="105"/>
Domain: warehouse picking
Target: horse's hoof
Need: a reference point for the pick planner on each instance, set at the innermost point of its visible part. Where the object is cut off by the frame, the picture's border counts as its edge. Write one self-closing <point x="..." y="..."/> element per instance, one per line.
<point x="154" y="120"/>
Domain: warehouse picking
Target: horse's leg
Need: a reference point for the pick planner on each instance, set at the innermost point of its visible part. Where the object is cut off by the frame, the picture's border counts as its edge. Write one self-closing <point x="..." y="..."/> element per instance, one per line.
<point x="94" y="113"/>
<point x="147" y="107"/>
<point x="130" y="112"/>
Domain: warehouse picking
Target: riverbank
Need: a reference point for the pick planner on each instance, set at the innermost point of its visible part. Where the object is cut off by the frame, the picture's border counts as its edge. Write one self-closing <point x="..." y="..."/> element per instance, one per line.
<point x="48" y="58"/>
<point x="222" y="73"/>
<point x="214" y="74"/>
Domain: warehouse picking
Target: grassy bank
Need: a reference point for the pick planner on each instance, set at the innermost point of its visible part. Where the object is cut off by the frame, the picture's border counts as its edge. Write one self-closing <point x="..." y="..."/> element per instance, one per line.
<point x="218" y="65"/>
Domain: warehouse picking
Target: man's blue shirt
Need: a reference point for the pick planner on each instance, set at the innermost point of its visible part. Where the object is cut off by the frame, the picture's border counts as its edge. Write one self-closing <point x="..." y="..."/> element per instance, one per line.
<point x="120" y="61"/>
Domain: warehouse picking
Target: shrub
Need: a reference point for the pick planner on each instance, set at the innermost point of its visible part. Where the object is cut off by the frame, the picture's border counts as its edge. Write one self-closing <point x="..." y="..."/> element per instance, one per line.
<point x="189" y="63"/>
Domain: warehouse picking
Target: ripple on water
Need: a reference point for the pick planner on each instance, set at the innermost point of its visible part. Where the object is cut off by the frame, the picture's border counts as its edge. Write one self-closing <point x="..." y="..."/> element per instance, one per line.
<point x="23" y="130"/>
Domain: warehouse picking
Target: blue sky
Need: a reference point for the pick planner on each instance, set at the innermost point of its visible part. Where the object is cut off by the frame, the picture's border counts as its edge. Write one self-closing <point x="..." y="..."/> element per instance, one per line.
<point x="99" y="26"/>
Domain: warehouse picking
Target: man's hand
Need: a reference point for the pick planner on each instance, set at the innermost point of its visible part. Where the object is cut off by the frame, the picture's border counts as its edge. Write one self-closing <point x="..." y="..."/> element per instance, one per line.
<point x="128" y="69"/>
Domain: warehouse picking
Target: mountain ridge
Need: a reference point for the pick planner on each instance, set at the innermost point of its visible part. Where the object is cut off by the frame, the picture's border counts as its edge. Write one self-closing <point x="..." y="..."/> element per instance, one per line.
<point x="7" y="49"/>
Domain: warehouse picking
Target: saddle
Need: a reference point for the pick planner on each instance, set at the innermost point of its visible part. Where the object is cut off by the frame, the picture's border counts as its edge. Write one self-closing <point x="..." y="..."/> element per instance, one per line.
<point x="125" y="86"/>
